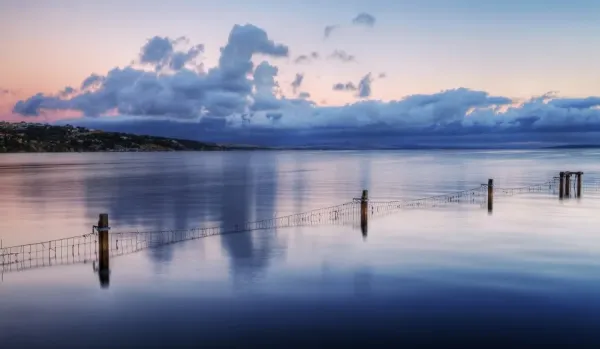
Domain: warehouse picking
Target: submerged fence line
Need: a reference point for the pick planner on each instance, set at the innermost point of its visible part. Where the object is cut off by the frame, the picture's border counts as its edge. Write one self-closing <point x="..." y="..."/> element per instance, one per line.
<point x="69" y="250"/>
<point x="126" y="242"/>
<point x="549" y="185"/>
<point x="382" y="207"/>
<point x="86" y="248"/>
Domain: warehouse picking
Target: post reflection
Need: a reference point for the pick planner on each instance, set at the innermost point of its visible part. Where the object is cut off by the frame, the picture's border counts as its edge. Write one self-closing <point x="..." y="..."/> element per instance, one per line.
<point x="103" y="275"/>
<point x="365" y="181"/>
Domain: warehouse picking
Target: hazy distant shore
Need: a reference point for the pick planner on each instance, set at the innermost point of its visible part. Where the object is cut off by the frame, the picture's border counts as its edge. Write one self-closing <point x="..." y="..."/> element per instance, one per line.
<point x="43" y="138"/>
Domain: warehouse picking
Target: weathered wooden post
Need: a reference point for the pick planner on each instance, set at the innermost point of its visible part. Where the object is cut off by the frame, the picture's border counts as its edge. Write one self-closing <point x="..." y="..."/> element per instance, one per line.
<point x="579" y="178"/>
<point x="490" y="195"/>
<point x="561" y="185"/>
<point x="104" y="250"/>
<point x="364" y="212"/>
<point x="568" y="184"/>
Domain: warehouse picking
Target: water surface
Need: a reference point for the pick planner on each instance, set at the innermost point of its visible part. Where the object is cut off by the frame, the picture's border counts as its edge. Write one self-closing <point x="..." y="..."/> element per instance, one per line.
<point x="444" y="277"/>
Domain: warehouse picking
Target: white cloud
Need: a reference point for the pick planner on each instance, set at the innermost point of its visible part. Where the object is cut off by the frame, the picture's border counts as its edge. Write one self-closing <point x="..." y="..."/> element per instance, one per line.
<point x="236" y="96"/>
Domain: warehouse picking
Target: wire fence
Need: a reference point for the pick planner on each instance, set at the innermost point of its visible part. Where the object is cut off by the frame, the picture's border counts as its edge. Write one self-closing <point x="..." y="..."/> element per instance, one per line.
<point x="591" y="186"/>
<point x="84" y="248"/>
<point x="127" y="242"/>
<point x="383" y="207"/>
<point x="548" y="186"/>
<point x="70" y="250"/>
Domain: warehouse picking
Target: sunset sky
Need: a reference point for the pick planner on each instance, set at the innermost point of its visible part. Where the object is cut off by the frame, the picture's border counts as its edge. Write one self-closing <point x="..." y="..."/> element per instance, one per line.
<point x="487" y="57"/>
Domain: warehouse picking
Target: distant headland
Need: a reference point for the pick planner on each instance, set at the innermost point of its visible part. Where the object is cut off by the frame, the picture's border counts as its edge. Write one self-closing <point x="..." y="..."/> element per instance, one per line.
<point x="27" y="137"/>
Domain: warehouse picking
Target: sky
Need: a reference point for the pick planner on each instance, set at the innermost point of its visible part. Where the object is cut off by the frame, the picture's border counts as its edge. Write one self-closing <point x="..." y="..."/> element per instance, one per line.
<point x="314" y="71"/>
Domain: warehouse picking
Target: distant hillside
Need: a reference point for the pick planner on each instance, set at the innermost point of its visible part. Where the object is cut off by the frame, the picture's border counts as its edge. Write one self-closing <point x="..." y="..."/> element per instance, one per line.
<point x="32" y="137"/>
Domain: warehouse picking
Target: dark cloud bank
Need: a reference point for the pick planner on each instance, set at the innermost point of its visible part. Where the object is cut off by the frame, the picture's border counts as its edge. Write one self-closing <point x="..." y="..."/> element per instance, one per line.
<point x="168" y="92"/>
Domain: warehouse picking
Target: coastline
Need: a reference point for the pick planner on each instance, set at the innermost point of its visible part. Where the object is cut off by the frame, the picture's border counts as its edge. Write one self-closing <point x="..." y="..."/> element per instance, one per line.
<point x="43" y="138"/>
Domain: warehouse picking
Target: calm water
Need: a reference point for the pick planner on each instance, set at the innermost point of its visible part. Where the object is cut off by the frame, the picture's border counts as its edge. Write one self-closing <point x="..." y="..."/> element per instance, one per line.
<point x="528" y="275"/>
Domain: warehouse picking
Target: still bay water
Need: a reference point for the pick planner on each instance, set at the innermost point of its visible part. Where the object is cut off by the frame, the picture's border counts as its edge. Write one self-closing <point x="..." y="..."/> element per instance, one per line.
<point x="527" y="275"/>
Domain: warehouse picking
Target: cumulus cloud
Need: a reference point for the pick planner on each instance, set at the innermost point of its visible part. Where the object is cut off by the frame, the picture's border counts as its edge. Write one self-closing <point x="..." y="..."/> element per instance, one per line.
<point x="156" y="50"/>
<point x="265" y="85"/>
<point x="183" y="93"/>
<point x="307" y="58"/>
<point x="236" y="101"/>
<point x="244" y="42"/>
<point x="264" y="78"/>
<point x="348" y="86"/>
<point x="67" y="91"/>
<point x="448" y="112"/>
<point x="31" y="106"/>
<point x="161" y="52"/>
<point x="575" y="103"/>
<point x="364" y="86"/>
<point x="302" y="59"/>
<point x="364" y="19"/>
<point x="180" y="59"/>
<point x="91" y="81"/>
<point x="297" y="82"/>
<point x="329" y="30"/>
<point x="342" y="56"/>
<point x="441" y="113"/>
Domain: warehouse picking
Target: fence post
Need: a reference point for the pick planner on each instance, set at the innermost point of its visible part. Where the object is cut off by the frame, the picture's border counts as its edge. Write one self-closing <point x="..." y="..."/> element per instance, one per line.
<point x="568" y="184"/>
<point x="490" y="200"/>
<point x="561" y="185"/>
<point x="364" y="212"/>
<point x="579" y="178"/>
<point x="104" y="249"/>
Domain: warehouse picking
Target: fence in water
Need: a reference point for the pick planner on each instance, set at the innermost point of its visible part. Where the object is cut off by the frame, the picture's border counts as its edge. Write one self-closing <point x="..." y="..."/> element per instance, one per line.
<point x="85" y="248"/>
<point x="127" y="242"/>
<point x="77" y="249"/>
<point x="478" y="196"/>
<point x="377" y="208"/>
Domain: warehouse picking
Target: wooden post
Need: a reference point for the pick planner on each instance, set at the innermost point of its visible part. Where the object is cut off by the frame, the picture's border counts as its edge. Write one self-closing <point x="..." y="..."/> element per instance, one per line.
<point x="490" y="195"/>
<point x="364" y="212"/>
<point x="561" y="186"/>
<point x="568" y="184"/>
<point x="579" y="178"/>
<point x="104" y="250"/>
